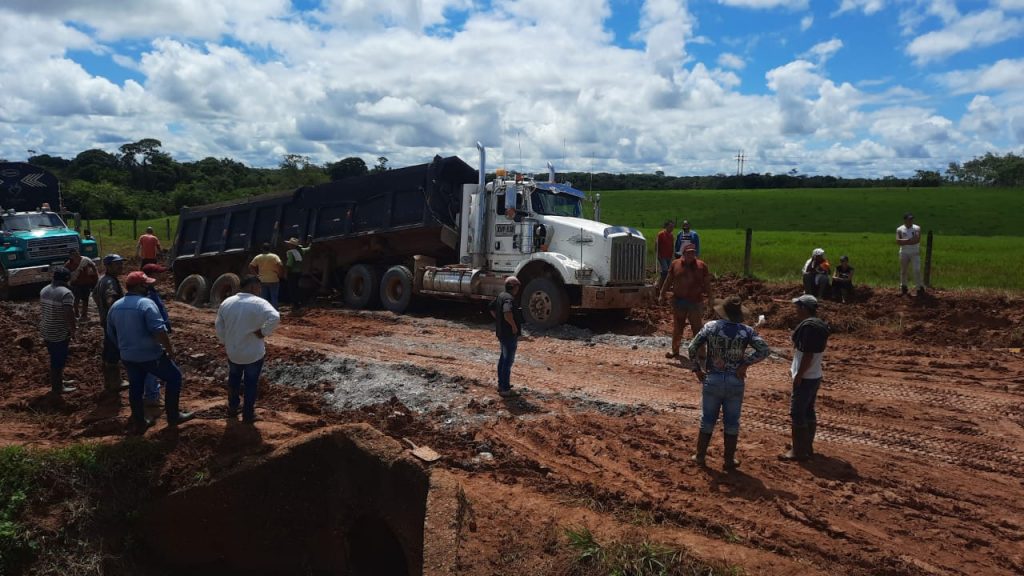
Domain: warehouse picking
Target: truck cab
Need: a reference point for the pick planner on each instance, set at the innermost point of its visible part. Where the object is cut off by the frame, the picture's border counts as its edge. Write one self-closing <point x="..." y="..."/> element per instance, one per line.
<point x="32" y="244"/>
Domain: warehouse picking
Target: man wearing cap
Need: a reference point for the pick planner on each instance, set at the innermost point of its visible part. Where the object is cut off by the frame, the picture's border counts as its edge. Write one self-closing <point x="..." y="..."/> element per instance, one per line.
<point x="293" y="264"/>
<point x="665" y="255"/>
<point x="243" y="322"/>
<point x="83" y="279"/>
<point x="809" y="341"/>
<point x="687" y="237"/>
<point x="816" y="273"/>
<point x="270" y="270"/>
<point x="134" y="322"/>
<point x="689" y="283"/>
<point x="722" y="372"/>
<point x="108" y="290"/>
<point x="842" y="281"/>
<point x="57" y="326"/>
<point x="151" y="390"/>
<point x="908" y="237"/>
<point x="148" y="248"/>
<point x="508" y="315"/>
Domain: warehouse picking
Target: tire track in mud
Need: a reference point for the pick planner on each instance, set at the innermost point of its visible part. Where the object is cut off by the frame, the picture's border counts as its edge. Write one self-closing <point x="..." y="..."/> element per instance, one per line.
<point x="936" y="397"/>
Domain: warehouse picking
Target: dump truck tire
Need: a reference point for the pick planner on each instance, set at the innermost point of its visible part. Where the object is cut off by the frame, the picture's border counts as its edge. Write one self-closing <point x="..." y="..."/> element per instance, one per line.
<point x="396" y="289"/>
<point x="545" y="303"/>
<point x="193" y="290"/>
<point x="361" y="287"/>
<point x="225" y="286"/>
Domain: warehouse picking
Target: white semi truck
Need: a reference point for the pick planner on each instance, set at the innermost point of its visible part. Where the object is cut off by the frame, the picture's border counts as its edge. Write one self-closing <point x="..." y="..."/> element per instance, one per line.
<point x="436" y="230"/>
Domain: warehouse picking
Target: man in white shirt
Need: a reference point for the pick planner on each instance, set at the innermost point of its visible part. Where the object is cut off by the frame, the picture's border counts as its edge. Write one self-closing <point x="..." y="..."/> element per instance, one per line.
<point x="908" y="237"/>
<point x="243" y="321"/>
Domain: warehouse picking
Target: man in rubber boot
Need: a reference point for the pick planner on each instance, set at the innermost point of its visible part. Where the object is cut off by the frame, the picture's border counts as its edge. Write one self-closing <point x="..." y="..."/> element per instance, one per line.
<point x="688" y="284"/>
<point x="722" y="373"/>
<point x="809" y="341"/>
<point x="151" y="390"/>
<point x="108" y="290"/>
<point x="57" y="326"/>
<point x="243" y="322"/>
<point x="508" y="316"/>
<point x="134" y="322"/>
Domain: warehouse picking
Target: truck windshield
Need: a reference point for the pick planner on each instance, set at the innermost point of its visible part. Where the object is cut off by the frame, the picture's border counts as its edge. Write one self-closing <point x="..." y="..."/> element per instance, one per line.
<point x="551" y="204"/>
<point x="26" y="222"/>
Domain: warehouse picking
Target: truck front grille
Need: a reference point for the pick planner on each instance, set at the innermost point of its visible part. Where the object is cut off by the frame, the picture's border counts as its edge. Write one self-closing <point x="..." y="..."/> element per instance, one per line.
<point x="628" y="254"/>
<point x="55" y="248"/>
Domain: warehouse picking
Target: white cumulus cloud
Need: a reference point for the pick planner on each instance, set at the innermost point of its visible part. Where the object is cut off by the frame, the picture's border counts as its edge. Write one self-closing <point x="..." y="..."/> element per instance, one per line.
<point x="974" y="30"/>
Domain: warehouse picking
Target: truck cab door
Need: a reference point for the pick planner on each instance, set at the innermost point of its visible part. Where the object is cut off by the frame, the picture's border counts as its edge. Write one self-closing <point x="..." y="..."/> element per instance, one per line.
<point x="503" y="249"/>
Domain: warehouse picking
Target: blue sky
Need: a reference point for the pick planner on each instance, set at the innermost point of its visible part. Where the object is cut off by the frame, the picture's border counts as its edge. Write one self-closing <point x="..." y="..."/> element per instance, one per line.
<point x="844" y="87"/>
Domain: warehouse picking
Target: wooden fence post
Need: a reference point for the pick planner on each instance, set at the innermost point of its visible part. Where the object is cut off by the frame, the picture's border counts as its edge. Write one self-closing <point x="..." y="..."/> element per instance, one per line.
<point x="135" y="228"/>
<point x="110" y="227"/>
<point x="928" y="261"/>
<point x="88" y="225"/>
<point x="746" y="253"/>
<point x="168" y="237"/>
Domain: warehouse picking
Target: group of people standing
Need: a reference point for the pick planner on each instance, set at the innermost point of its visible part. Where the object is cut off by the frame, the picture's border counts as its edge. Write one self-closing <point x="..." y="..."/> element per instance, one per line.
<point x="136" y="329"/>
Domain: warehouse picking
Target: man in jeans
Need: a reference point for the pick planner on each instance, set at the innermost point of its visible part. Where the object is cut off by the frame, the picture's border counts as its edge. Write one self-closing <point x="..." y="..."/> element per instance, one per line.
<point x="809" y="341"/>
<point x="508" y="327"/>
<point x="270" y="270"/>
<point x="135" y="324"/>
<point x="108" y="290"/>
<point x="722" y="374"/>
<point x="57" y="325"/>
<point x="243" y="322"/>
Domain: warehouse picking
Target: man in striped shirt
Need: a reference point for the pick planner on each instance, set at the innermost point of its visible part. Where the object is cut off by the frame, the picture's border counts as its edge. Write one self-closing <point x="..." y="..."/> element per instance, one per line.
<point x="57" y="325"/>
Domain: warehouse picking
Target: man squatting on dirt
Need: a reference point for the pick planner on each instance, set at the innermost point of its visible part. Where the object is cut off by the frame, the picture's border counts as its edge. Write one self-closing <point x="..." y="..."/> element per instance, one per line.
<point x="723" y="373"/>
<point x="689" y="282"/>
<point x="508" y="327"/>
<point x="243" y="321"/>
<point x="809" y="340"/>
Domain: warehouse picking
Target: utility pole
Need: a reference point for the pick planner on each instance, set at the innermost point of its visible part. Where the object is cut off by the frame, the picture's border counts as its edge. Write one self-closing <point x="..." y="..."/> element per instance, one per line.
<point x="740" y="159"/>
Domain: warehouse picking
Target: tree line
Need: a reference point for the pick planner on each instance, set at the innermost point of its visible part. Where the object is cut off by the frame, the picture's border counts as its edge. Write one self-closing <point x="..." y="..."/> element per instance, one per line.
<point x="143" y="181"/>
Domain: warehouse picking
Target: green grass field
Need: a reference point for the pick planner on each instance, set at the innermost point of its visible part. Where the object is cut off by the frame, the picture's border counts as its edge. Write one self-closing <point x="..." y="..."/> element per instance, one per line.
<point x="978" y="238"/>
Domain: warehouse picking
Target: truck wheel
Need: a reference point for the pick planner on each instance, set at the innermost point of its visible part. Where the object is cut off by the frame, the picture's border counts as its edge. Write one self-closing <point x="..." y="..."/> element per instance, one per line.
<point x="361" y="286"/>
<point x="545" y="303"/>
<point x="225" y="286"/>
<point x="396" y="289"/>
<point x="192" y="290"/>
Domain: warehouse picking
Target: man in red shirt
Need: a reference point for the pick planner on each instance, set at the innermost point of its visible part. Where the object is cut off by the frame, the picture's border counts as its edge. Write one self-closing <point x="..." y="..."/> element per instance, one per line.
<point x="148" y="248"/>
<point x="689" y="284"/>
<point x="665" y="245"/>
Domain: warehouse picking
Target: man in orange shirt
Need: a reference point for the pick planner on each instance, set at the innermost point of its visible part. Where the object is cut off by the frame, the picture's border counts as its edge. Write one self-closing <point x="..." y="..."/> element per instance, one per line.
<point x="148" y="248"/>
<point x="665" y="244"/>
<point x="689" y="283"/>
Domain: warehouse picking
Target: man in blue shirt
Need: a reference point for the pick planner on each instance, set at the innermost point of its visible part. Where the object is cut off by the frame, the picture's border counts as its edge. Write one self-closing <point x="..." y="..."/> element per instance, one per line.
<point x="687" y="236"/>
<point x="135" y="324"/>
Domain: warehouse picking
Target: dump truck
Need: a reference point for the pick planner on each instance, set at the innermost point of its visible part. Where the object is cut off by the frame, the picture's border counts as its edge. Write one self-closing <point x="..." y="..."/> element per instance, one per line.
<point x="435" y="230"/>
<point x="33" y="238"/>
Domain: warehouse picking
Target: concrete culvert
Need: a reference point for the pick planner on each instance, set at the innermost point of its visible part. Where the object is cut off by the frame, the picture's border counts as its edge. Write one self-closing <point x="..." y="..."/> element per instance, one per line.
<point x="342" y="501"/>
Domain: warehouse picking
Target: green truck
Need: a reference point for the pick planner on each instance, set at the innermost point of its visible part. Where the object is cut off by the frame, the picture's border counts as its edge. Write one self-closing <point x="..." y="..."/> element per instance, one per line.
<point x="33" y="238"/>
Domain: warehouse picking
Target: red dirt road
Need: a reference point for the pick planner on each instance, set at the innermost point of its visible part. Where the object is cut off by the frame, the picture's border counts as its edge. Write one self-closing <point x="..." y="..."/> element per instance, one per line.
<point x="921" y="417"/>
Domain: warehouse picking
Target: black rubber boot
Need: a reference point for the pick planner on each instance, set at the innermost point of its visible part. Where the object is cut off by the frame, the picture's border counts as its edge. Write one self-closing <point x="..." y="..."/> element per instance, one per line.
<point x="730" y="451"/>
<point x="174" y="414"/>
<point x="799" y="450"/>
<point x="112" y="378"/>
<point x="703" y="439"/>
<point x="812" y="427"/>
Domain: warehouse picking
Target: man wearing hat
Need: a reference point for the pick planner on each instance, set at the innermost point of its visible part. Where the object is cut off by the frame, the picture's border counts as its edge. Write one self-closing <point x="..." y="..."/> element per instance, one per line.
<point x="151" y="391"/>
<point x="57" y="325"/>
<point x="134" y="322"/>
<point x="108" y="290"/>
<point x="689" y="283"/>
<point x="508" y="316"/>
<point x="293" y="265"/>
<point x="722" y="372"/>
<point x="816" y="273"/>
<point x="908" y="237"/>
<point x="809" y="341"/>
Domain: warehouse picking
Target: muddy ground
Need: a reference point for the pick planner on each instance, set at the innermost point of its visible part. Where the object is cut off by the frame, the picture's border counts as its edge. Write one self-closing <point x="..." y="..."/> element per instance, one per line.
<point x="921" y="421"/>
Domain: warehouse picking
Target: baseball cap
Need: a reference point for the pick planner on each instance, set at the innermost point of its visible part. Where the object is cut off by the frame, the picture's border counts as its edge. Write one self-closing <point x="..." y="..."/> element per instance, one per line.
<point x="138" y="278"/>
<point x="690" y="248"/>
<point x="908" y="216"/>
<point x="154" y="268"/>
<point x="111" y="258"/>
<point x="844" y="258"/>
<point x="807" y="301"/>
